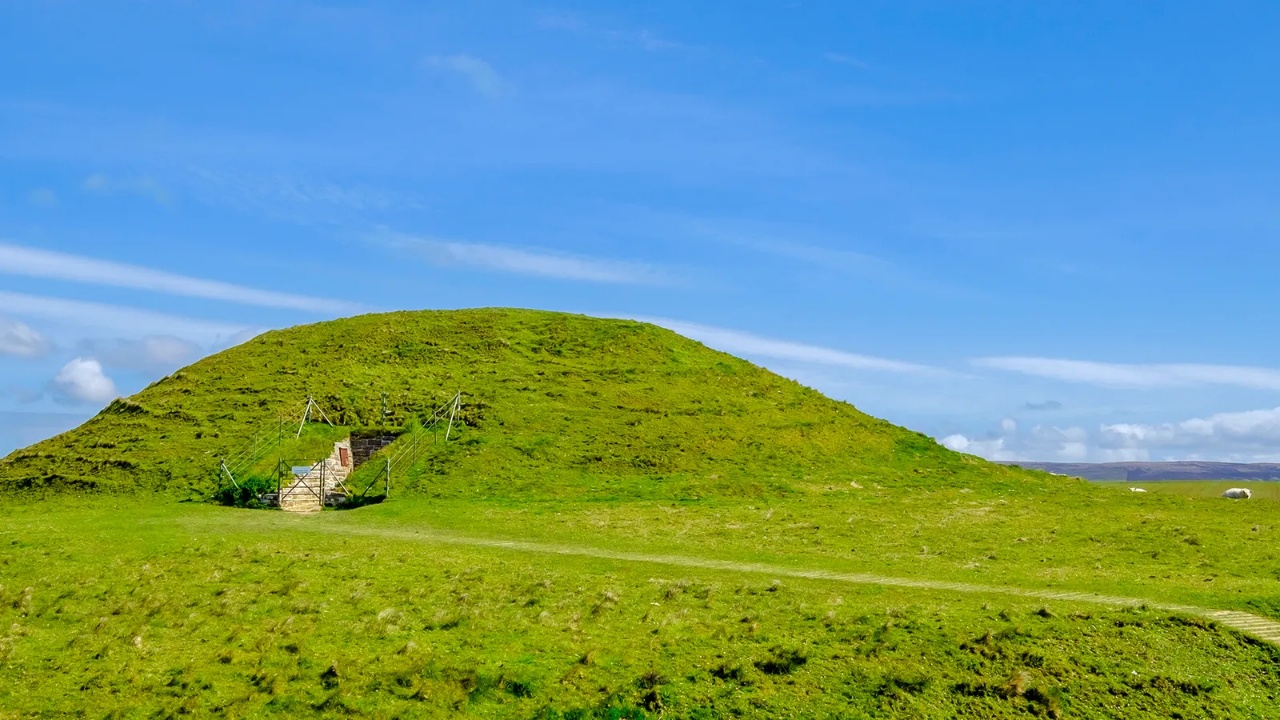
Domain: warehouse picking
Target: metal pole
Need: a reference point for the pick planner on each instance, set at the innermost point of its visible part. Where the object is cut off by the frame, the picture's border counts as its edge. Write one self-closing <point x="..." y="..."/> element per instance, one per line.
<point x="388" y="492"/>
<point x="322" y="415"/>
<point x="280" y="461"/>
<point x="305" y="414"/>
<point x="457" y="399"/>
<point x="229" y="475"/>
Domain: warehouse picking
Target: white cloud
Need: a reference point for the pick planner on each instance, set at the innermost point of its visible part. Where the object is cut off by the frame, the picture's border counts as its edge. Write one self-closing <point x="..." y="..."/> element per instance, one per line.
<point x="19" y="339"/>
<point x="1250" y="436"/>
<point x="736" y="342"/>
<point x="1069" y="444"/>
<point x="146" y="187"/>
<point x="483" y="78"/>
<point x="538" y="263"/>
<point x="1044" y="443"/>
<point x="991" y="448"/>
<point x="98" y="317"/>
<point x="1253" y="434"/>
<point x="83" y="381"/>
<point x="33" y="262"/>
<point x="1119" y="375"/>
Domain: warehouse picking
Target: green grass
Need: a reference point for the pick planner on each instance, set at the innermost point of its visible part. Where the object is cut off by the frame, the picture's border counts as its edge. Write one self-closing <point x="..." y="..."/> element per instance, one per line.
<point x="1207" y="488"/>
<point x="1174" y="549"/>
<point x="617" y="436"/>
<point x="139" y="610"/>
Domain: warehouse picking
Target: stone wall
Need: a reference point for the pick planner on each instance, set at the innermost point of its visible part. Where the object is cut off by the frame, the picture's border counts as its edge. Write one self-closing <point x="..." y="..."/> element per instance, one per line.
<point x="364" y="446"/>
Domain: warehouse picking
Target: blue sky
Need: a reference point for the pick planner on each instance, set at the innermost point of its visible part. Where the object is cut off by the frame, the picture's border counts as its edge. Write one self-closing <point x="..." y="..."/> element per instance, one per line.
<point x="1032" y="230"/>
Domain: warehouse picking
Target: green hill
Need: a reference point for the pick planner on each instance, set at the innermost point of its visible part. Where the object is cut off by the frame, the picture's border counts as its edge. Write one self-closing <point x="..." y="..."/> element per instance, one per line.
<point x="554" y="405"/>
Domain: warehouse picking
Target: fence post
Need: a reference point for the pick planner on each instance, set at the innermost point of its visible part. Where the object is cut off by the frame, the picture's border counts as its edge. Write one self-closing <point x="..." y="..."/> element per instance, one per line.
<point x="280" y="460"/>
<point x="457" y="400"/>
<point x="305" y="414"/>
<point x="229" y="475"/>
<point x="388" y="492"/>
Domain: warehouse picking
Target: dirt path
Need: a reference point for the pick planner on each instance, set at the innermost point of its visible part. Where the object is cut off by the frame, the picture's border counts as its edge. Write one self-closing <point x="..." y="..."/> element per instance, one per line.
<point x="1252" y="625"/>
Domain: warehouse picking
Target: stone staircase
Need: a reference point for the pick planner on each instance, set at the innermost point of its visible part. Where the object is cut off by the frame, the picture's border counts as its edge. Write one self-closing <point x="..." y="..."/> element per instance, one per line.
<point x="322" y="484"/>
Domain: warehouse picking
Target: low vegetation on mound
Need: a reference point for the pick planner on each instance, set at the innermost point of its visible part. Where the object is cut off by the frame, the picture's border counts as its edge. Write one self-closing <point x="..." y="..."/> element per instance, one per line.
<point x="553" y="403"/>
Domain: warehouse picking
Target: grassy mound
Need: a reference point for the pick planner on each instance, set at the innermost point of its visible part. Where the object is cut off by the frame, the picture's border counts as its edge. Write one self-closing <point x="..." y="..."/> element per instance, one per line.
<point x="555" y="405"/>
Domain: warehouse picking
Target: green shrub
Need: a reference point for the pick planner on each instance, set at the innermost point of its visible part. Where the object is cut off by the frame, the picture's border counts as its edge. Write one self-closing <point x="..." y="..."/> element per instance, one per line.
<point x="248" y="494"/>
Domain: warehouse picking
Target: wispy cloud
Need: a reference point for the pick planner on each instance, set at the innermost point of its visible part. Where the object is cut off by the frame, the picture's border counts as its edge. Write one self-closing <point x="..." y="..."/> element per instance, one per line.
<point x="1046" y="406"/>
<point x="19" y="339"/>
<point x="480" y="74"/>
<point x="32" y="262"/>
<point x="570" y="22"/>
<point x="43" y="198"/>
<point x="741" y="343"/>
<point x="538" y="263"/>
<point x="127" y="320"/>
<point x="283" y="195"/>
<point x="825" y="257"/>
<point x="152" y="353"/>
<point x="1119" y="375"/>
<point x="842" y="59"/>
<point x="801" y="245"/>
<point x="146" y="187"/>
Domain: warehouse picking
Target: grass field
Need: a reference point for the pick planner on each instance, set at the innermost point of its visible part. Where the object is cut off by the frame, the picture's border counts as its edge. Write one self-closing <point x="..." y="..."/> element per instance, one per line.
<point x="140" y="610"/>
<point x="625" y="524"/>
<point x="1206" y="488"/>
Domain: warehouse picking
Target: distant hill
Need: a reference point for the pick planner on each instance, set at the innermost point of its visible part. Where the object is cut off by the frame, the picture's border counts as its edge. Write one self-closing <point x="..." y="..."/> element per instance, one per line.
<point x="1154" y="471"/>
<point x="554" y="405"/>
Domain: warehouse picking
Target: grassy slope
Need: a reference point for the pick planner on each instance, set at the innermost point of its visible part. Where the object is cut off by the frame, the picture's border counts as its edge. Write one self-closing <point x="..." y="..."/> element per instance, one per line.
<point x="614" y="434"/>
<point x="563" y="405"/>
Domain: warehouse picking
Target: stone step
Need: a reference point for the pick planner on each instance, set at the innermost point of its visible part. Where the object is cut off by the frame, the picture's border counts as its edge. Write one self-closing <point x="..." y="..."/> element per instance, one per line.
<point x="309" y="492"/>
